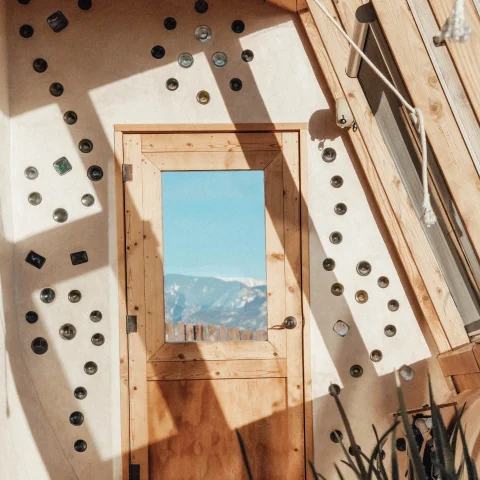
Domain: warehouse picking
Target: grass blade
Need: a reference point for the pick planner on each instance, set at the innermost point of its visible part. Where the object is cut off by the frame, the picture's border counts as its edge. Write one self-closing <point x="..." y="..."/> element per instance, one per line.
<point x="413" y="453"/>
<point x="339" y="472"/>
<point x="469" y="464"/>
<point x="379" y="455"/>
<point x="395" y="472"/>
<point x="348" y="457"/>
<point x="371" y="467"/>
<point x="374" y="453"/>
<point x="244" y="454"/>
<point x="453" y="441"/>
<point x="316" y="475"/>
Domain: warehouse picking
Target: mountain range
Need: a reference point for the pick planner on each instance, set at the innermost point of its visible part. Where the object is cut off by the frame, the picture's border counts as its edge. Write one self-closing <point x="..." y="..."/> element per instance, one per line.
<point x="220" y="301"/>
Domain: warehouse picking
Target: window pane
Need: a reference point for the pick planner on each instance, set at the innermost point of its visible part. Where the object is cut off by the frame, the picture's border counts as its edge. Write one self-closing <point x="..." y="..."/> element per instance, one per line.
<point x="214" y="254"/>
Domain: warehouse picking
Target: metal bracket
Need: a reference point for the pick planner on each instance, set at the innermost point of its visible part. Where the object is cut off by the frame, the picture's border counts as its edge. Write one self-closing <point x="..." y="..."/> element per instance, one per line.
<point x="134" y="471"/>
<point x="127" y="172"/>
<point x="131" y="323"/>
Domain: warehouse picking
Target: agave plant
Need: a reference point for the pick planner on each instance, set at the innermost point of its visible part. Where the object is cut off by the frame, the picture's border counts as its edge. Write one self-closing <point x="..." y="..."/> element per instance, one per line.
<point x="373" y="468"/>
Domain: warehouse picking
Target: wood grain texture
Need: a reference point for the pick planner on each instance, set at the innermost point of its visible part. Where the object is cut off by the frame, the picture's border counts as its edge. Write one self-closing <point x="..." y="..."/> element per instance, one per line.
<point x="468" y="381"/>
<point x="442" y="130"/>
<point x="211" y="142"/>
<point x="195" y="438"/>
<point x="293" y="305"/>
<point x="460" y="361"/>
<point x="122" y="306"/>
<point x="216" y="370"/>
<point x="465" y="56"/>
<point x="136" y="306"/>
<point x="417" y="258"/>
<point x="209" y="127"/>
<point x="290" y="5"/>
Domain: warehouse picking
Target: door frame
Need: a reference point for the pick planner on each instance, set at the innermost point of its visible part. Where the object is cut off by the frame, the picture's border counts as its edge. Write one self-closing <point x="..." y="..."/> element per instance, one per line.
<point x="124" y="129"/>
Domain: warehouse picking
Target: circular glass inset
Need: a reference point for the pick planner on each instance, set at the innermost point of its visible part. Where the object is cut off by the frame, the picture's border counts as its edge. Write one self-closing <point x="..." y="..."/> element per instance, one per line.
<point x="31" y="173"/>
<point x="90" y="368"/>
<point x="85" y="145"/>
<point x="39" y="345"/>
<point x="170" y="23"/>
<point x="247" y="56"/>
<point x="401" y="444"/>
<point x="337" y="289"/>
<point x="80" y="446"/>
<point x="236" y="84"/>
<point x="70" y="117"/>
<point x="96" y="316"/>
<point x="26" y="31"/>
<point x="74" y="296"/>
<point x="158" y="52"/>
<point x="406" y="372"/>
<point x="336" y="436"/>
<point x="390" y="330"/>
<point x="80" y="393"/>
<point x="60" y="215"/>
<point x="47" y="295"/>
<point x="172" y="84"/>
<point x="201" y="6"/>
<point x="185" y="60"/>
<point x="88" y="200"/>
<point x="203" y="33"/>
<point x="340" y="209"/>
<point x="95" y="173"/>
<point x="34" y="199"/>
<point x="40" y="65"/>
<point x="393" y="305"/>
<point x="238" y="26"/>
<point x="376" y="355"/>
<point x="98" y="339"/>
<point x="336" y="181"/>
<point x="329" y="264"/>
<point x="219" y="59"/>
<point x="356" y="371"/>
<point x="203" y="97"/>
<point x="336" y="238"/>
<point x="329" y="154"/>
<point x="31" y="317"/>
<point x="334" y="390"/>
<point x="67" y="331"/>
<point x="76" y="418"/>
<point x="351" y="452"/>
<point x="383" y="282"/>
<point x="84" y="4"/>
<point x="56" y="89"/>
<point x="361" y="296"/>
<point x="364" y="268"/>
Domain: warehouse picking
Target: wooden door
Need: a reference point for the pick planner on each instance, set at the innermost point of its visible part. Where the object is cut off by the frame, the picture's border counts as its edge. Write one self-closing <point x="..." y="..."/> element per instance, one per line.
<point x="192" y="386"/>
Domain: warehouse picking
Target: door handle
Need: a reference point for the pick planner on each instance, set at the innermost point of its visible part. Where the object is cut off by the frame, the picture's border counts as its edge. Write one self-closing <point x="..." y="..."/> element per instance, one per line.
<point x="289" y="323"/>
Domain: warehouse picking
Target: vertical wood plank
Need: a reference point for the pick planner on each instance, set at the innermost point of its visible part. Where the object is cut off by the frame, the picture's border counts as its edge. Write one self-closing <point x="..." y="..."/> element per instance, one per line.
<point x="169" y="332"/>
<point x="122" y="303"/>
<point x="293" y="305"/>
<point x="233" y="333"/>
<point x="199" y="333"/>
<point x="136" y="306"/>
<point x="222" y="334"/>
<point x="261" y="335"/>
<point x="189" y="332"/>
<point x="180" y="331"/>
<point x="212" y="333"/>
<point x="246" y="335"/>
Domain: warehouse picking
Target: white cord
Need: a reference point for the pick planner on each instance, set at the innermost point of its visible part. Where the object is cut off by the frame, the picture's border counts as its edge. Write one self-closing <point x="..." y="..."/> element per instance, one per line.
<point x="456" y="27"/>
<point x="416" y="115"/>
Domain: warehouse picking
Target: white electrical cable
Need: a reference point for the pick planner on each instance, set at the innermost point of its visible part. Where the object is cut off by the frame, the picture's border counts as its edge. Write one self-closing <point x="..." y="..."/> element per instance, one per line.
<point x="456" y="27"/>
<point x="416" y="115"/>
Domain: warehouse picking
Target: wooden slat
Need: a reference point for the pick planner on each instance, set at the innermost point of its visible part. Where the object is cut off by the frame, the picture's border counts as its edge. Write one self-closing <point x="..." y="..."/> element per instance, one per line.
<point x="122" y="308"/>
<point x="233" y="334"/>
<point x="460" y="361"/>
<point x="169" y="332"/>
<point x="406" y="232"/>
<point x="261" y="335"/>
<point x="293" y="304"/>
<point x="185" y="161"/>
<point x="216" y="370"/>
<point x="213" y="127"/>
<point x="465" y="56"/>
<point x="469" y="381"/>
<point x="443" y="133"/>
<point x="136" y="306"/>
<point x="222" y="334"/>
<point x="211" y="142"/>
<point x="212" y="335"/>
<point x="180" y="337"/>
<point x="189" y="333"/>
<point x="290" y="5"/>
<point x="200" y="333"/>
<point x="246" y="335"/>
<point x="153" y="256"/>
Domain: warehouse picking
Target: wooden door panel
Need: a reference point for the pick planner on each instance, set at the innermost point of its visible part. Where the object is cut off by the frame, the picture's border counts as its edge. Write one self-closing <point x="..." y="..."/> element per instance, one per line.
<point x="195" y="439"/>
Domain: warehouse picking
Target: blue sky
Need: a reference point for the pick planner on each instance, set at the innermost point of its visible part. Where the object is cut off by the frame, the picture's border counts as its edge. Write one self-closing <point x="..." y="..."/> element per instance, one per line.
<point x="214" y="223"/>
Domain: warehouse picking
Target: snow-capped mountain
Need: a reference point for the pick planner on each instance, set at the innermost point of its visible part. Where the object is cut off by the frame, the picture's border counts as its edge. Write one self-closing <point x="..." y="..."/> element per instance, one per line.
<point x="216" y="301"/>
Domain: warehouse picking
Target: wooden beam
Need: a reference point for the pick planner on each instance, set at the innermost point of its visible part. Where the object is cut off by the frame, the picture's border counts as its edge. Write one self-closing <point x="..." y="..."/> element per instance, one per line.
<point x="290" y="5"/>
<point x="466" y="56"/>
<point x="425" y="90"/>
<point x="393" y="202"/>
<point x="460" y="361"/>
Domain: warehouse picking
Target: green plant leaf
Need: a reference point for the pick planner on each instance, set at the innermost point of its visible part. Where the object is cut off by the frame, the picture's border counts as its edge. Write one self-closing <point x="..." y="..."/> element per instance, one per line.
<point x="379" y="448"/>
<point x="413" y="453"/>
<point x="453" y="439"/>
<point x="348" y="457"/>
<point x="444" y="472"/>
<point x="371" y="467"/>
<point x="395" y="472"/>
<point x="316" y="475"/>
<point x="244" y="454"/>
<point x="469" y="464"/>
<point x="374" y="453"/>
<point x="339" y="472"/>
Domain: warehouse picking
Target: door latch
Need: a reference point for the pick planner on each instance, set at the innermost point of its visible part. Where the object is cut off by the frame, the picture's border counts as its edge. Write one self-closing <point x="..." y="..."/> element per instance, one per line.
<point x="290" y="323"/>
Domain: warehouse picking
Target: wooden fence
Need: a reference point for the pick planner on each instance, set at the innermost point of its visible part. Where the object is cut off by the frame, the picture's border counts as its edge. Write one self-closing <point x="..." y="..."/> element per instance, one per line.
<point x="188" y="332"/>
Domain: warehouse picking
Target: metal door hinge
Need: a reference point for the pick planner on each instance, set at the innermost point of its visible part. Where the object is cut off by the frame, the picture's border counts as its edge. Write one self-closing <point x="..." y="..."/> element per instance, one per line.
<point x="131" y="323"/>
<point x="127" y="172"/>
<point x="134" y="471"/>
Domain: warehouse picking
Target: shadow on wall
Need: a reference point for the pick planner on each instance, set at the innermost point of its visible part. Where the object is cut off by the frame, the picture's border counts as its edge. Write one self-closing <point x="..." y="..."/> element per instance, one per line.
<point x="92" y="61"/>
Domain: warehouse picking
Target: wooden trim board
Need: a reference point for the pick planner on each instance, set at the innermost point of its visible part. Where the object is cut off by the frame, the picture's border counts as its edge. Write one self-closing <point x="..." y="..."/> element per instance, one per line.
<point x="417" y="258"/>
